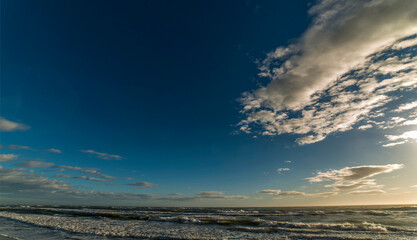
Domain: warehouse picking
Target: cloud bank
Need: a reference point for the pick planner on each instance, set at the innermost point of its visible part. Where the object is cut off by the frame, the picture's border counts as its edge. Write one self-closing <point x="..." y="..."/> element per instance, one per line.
<point x="341" y="71"/>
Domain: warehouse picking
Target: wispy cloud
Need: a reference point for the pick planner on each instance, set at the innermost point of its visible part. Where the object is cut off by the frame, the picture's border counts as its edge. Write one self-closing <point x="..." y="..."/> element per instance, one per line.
<point x="218" y="195"/>
<point x="326" y="81"/>
<point x="338" y="186"/>
<point x="368" y="192"/>
<point x="354" y="173"/>
<point x="19" y="147"/>
<point x="79" y="177"/>
<point x="34" y="164"/>
<point x="279" y="193"/>
<point x="215" y="195"/>
<point x="406" y="106"/>
<point x="53" y="150"/>
<point x="8" y="157"/>
<point x="103" y="155"/>
<point x="406" y="137"/>
<point x="303" y="194"/>
<point x="143" y="184"/>
<point x="10" y="126"/>
<point x="270" y="191"/>
<point x="94" y="171"/>
<point x="279" y="170"/>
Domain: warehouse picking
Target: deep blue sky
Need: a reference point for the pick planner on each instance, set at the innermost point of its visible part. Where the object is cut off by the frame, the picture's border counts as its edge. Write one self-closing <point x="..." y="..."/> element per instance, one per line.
<point x="158" y="83"/>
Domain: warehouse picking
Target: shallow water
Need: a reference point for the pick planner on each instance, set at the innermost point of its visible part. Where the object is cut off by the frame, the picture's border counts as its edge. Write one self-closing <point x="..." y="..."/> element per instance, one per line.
<point x="70" y="222"/>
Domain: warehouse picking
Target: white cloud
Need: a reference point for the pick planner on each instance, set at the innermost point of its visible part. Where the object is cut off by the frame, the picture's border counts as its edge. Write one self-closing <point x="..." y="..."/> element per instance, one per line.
<point x="143" y="184"/>
<point x="8" y="157"/>
<point x="9" y="126"/>
<point x="364" y="127"/>
<point x="406" y="43"/>
<point x="406" y="106"/>
<point x="410" y="122"/>
<point x="340" y="72"/>
<point x="406" y="137"/>
<point x="279" y="170"/>
<point x="53" y="150"/>
<point x="103" y="155"/>
<point x="368" y="192"/>
<point x="19" y="147"/>
<point x="34" y="164"/>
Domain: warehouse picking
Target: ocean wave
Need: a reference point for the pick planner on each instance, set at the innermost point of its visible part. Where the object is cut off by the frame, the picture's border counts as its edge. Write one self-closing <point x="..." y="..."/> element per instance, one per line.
<point x="364" y="226"/>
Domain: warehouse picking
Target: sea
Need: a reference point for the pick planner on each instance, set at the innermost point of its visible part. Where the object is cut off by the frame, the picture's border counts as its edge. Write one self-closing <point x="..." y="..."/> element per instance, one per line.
<point x="75" y="222"/>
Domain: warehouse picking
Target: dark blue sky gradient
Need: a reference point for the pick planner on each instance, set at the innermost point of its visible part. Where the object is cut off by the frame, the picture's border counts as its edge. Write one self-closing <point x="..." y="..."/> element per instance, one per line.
<point x="156" y="82"/>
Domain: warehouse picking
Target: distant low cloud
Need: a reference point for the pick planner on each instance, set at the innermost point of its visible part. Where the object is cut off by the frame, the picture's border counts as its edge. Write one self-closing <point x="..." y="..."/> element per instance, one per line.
<point x="354" y="185"/>
<point x="34" y="164"/>
<point x="93" y="171"/>
<point x="53" y="150"/>
<point x="354" y="173"/>
<point x="218" y="195"/>
<point x="279" y="193"/>
<point x="351" y="178"/>
<point x="344" y="70"/>
<point x="8" y="157"/>
<point x="270" y="191"/>
<point x="19" y="147"/>
<point x="303" y="194"/>
<point x="215" y="195"/>
<point x="175" y="194"/>
<point x="20" y="182"/>
<point x="368" y="192"/>
<point x="103" y="155"/>
<point x="279" y="170"/>
<point x="79" y="177"/>
<point x="143" y="184"/>
<point x="10" y="126"/>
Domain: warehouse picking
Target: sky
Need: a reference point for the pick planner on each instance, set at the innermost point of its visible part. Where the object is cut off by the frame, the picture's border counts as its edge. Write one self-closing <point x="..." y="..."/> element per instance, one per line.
<point x="208" y="103"/>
